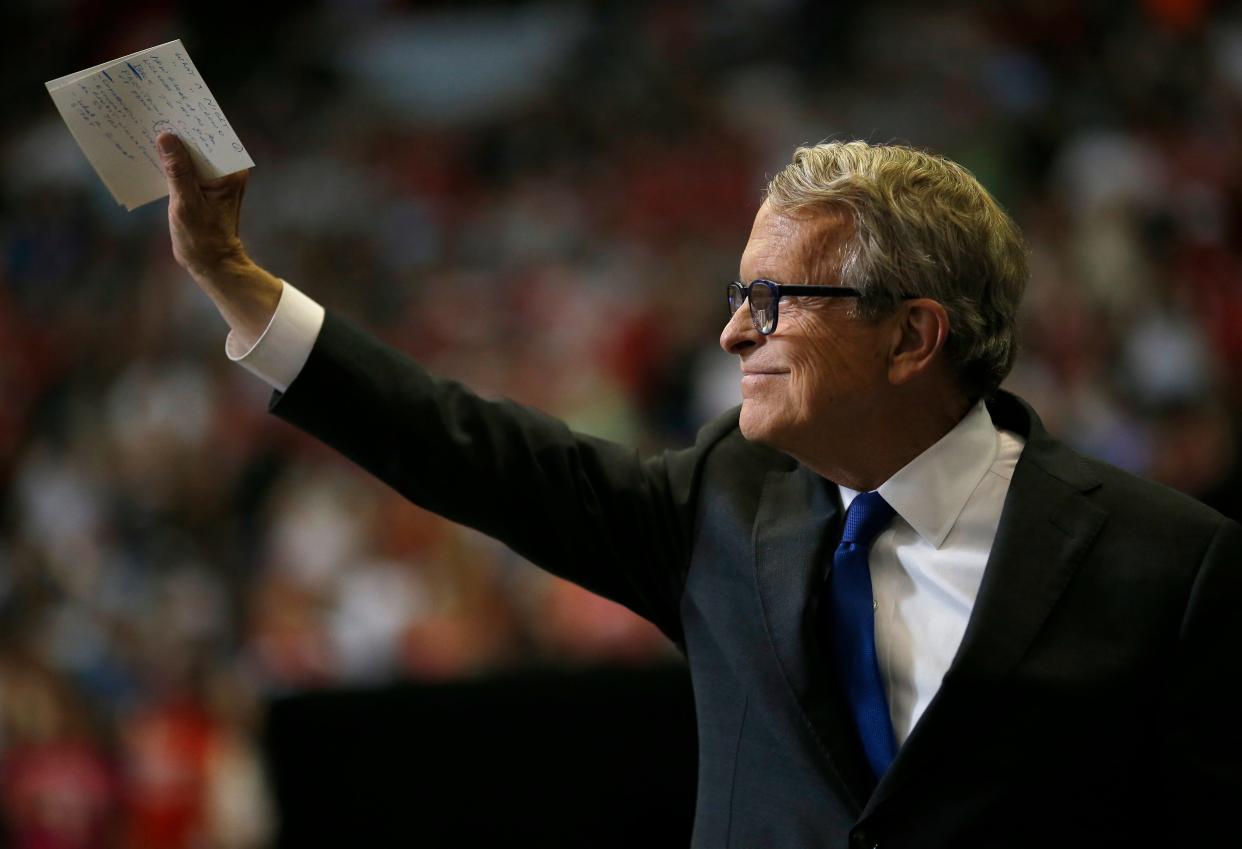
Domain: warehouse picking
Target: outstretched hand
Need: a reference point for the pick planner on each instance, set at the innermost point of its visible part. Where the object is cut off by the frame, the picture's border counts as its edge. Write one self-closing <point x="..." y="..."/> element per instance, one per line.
<point x="203" y="220"/>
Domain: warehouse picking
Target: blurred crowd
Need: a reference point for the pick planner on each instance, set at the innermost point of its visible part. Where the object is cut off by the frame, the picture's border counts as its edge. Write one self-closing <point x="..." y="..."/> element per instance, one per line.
<point x="545" y="201"/>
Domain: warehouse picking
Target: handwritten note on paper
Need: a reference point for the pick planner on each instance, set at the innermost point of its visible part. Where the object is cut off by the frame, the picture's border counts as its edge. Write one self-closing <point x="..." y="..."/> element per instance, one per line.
<point x="115" y="111"/>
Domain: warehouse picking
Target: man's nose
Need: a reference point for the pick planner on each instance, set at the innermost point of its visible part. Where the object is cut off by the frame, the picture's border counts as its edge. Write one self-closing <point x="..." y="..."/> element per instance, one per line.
<point x="739" y="333"/>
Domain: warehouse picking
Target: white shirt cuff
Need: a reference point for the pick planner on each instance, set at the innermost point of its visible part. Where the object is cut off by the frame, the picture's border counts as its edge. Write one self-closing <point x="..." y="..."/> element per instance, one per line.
<point x="283" y="348"/>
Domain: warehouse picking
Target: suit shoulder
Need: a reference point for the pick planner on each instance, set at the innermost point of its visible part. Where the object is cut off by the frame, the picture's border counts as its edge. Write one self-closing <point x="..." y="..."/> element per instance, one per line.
<point x="1146" y="506"/>
<point x="1144" y="500"/>
<point x="721" y="427"/>
<point x="722" y="440"/>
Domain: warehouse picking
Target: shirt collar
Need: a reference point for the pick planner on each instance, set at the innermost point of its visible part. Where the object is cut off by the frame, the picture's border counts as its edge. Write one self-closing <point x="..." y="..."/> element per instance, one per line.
<point x="931" y="490"/>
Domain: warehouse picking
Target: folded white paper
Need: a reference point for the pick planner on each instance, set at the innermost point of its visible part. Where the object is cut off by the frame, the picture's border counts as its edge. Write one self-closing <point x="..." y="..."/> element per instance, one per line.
<point x="115" y="111"/>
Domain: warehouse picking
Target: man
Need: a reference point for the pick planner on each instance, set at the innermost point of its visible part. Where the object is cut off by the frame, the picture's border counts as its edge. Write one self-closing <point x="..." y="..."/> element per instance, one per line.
<point x="912" y="618"/>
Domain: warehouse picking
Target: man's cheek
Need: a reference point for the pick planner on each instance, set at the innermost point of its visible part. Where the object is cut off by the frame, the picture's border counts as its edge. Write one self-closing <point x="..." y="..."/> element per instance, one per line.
<point x="824" y="349"/>
<point x="802" y="393"/>
<point x="808" y="357"/>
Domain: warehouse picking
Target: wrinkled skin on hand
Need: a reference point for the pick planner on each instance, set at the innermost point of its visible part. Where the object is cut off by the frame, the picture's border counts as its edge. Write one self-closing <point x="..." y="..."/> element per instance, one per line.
<point x="203" y="221"/>
<point x="203" y="215"/>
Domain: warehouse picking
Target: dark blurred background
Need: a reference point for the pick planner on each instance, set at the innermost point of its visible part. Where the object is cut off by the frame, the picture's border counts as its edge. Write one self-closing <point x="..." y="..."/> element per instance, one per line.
<point x="207" y="620"/>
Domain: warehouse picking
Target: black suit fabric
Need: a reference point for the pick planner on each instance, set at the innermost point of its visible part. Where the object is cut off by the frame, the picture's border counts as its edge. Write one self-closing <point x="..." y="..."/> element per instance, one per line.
<point x="1094" y="699"/>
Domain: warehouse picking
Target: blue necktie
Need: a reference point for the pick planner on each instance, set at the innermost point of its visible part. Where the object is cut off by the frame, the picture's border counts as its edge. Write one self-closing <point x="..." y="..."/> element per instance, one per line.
<point x="852" y="628"/>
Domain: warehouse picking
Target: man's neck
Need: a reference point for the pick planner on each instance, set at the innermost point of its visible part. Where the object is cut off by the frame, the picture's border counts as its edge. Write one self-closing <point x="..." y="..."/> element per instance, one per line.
<point x="885" y="446"/>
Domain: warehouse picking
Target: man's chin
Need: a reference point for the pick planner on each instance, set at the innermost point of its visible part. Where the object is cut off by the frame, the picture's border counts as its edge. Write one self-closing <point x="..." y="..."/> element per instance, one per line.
<point x="757" y="428"/>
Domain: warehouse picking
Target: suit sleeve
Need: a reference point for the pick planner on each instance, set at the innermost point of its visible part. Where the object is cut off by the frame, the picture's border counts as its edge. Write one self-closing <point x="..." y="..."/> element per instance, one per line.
<point x="1204" y="738"/>
<point x="585" y="509"/>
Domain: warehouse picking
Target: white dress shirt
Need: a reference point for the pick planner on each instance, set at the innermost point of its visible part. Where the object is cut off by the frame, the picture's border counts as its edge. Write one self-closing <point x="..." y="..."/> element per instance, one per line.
<point x="285" y="344"/>
<point x="926" y="567"/>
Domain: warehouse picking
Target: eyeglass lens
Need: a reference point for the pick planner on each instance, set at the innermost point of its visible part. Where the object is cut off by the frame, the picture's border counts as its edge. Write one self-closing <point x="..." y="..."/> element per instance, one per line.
<point x="762" y="298"/>
<point x="763" y="306"/>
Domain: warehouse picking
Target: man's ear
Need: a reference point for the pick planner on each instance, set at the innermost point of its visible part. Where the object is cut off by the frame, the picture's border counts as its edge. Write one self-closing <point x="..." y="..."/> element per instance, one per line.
<point x="920" y="332"/>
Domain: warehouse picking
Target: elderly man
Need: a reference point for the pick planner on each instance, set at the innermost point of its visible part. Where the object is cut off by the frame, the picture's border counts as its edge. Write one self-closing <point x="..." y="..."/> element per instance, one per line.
<point x="912" y="617"/>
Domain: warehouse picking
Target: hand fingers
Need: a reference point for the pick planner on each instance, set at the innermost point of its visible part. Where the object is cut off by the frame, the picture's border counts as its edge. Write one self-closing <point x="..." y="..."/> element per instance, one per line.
<point x="178" y="167"/>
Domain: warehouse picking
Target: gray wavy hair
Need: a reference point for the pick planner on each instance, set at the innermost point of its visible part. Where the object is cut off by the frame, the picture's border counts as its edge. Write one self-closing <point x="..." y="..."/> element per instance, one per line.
<point x="922" y="225"/>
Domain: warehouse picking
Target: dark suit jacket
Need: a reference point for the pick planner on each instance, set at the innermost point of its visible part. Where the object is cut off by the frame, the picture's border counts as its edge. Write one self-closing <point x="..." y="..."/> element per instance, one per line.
<point x="1094" y="700"/>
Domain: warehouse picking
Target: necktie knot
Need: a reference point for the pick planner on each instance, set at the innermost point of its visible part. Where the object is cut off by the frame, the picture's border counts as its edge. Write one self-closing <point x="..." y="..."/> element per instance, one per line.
<point x="867" y="516"/>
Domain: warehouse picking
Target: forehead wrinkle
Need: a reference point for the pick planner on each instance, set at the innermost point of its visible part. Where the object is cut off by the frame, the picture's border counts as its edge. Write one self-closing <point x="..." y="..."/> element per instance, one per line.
<point x="798" y="247"/>
<point x="767" y="252"/>
<point x="824" y="236"/>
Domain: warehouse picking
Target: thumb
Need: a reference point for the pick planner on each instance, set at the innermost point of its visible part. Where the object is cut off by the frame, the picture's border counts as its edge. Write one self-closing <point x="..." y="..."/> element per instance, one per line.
<point x="178" y="167"/>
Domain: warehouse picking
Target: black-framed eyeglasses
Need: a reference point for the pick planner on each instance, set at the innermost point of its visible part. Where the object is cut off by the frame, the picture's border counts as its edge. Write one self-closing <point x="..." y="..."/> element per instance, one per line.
<point x="764" y="296"/>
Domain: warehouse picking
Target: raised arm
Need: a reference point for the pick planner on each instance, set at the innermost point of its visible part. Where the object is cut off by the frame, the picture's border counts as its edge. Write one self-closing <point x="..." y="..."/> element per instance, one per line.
<point x="585" y="509"/>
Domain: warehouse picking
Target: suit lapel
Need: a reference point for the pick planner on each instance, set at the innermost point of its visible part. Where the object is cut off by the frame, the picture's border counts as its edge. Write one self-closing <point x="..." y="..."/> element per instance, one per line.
<point x="1046" y="527"/>
<point x="796" y="518"/>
